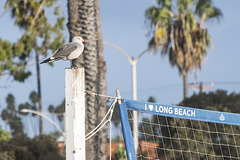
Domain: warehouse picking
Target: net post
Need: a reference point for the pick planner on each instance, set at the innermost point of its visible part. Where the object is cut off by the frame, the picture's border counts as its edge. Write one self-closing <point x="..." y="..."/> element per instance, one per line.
<point x="127" y="135"/>
<point x="118" y="96"/>
<point x="75" y="113"/>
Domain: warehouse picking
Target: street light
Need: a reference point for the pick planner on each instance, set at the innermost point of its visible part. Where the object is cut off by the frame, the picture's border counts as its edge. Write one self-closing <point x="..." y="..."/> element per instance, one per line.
<point x="44" y="116"/>
<point x="133" y="61"/>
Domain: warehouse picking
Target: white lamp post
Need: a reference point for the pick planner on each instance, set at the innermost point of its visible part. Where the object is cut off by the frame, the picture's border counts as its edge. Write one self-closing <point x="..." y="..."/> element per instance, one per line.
<point x="44" y="116"/>
<point x="133" y="63"/>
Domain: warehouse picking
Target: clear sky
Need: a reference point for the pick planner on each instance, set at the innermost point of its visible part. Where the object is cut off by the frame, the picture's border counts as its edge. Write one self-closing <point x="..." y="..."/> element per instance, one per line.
<point x="123" y="24"/>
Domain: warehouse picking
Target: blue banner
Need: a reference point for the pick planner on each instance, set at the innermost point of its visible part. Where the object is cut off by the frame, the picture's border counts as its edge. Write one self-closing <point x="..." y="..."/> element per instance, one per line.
<point x="184" y="112"/>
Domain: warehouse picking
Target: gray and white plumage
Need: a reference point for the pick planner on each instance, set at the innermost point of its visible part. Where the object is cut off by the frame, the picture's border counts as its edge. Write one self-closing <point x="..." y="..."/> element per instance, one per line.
<point x="68" y="51"/>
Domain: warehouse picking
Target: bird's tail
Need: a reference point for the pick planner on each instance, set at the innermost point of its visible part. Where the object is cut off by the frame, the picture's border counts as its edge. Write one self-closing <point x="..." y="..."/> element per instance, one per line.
<point x="46" y="61"/>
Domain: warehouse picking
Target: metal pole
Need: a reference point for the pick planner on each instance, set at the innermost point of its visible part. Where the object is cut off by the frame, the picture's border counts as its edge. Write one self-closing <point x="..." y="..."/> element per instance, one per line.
<point x="133" y="63"/>
<point x="134" y="97"/>
<point x="134" y="79"/>
<point x="75" y="114"/>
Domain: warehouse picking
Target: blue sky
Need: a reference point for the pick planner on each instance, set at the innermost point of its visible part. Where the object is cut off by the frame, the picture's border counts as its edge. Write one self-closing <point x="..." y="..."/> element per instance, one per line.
<point x="123" y="24"/>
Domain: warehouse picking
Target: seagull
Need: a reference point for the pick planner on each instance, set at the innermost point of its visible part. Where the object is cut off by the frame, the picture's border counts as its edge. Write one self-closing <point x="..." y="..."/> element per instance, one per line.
<point x="68" y="51"/>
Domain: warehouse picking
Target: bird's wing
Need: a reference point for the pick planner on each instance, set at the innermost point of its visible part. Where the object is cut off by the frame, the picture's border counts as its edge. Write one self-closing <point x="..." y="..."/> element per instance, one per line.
<point x="65" y="50"/>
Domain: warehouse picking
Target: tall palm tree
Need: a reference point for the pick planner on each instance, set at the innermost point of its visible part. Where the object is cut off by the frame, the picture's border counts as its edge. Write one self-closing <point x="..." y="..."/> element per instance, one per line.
<point x="179" y="32"/>
<point x="84" y="20"/>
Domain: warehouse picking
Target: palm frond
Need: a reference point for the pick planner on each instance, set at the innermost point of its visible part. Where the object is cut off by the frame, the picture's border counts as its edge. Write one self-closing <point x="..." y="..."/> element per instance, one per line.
<point x="151" y="14"/>
<point x="206" y="11"/>
<point x="181" y="36"/>
<point x="215" y="13"/>
<point x="164" y="3"/>
<point x="184" y="5"/>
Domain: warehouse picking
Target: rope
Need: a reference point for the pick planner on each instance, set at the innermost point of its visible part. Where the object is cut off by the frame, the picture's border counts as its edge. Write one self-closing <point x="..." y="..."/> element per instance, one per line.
<point x="110" y="132"/>
<point x="101" y="95"/>
<point x="110" y="140"/>
<point x="102" y="123"/>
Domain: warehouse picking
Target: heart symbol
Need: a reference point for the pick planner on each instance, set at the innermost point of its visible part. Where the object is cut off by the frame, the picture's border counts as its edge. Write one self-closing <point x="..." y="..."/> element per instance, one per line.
<point x="150" y="107"/>
<point x="222" y="117"/>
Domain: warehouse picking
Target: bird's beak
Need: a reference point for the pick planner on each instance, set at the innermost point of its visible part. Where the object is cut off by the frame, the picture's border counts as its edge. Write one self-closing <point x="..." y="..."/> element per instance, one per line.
<point x="84" y="41"/>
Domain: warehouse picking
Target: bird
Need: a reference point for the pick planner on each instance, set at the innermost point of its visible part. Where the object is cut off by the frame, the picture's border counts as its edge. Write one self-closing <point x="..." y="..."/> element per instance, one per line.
<point x="68" y="51"/>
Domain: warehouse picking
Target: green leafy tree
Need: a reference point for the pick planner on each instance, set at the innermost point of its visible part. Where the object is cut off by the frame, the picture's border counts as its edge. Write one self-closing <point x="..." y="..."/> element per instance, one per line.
<point x="4" y="135"/>
<point x="151" y="99"/>
<point x="39" y="148"/>
<point x="55" y="134"/>
<point x="145" y="128"/>
<point x="178" y="30"/>
<point x="45" y="147"/>
<point x="10" y="64"/>
<point x="59" y="110"/>
<point x="40" y="34"/>
<point x="32" y="105"/>
<point x="219" y="100"/>
<point x="10" y="115"/>
<point x="118" y="139"/>
<point x="120" y="153"/>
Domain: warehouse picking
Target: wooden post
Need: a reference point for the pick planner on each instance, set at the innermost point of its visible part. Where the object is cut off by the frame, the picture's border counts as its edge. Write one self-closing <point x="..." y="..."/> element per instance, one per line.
<point x="75" y="113"/>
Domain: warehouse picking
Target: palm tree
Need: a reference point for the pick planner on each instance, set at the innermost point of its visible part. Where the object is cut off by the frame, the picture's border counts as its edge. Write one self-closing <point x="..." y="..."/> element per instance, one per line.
<point x="84" y="20"/>
<point x="179" y="32"/>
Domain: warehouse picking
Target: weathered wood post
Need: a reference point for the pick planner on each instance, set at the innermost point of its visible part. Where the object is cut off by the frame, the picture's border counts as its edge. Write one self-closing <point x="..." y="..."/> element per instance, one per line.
<point x="75" y="113"/>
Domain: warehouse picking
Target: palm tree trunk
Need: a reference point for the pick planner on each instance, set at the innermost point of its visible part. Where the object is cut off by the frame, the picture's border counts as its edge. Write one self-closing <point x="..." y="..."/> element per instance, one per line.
<point x="84" y="24"/>
<point x="73" y="17"/>
<point x="185" y="85"/>
<point x="88" y="32"/>
<point x="101" y="88"/>
<point x="39" y="93"/>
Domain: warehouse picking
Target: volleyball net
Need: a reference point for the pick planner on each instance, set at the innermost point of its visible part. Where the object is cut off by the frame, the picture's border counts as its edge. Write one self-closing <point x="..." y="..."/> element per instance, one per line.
<point x="173" y="132"/>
